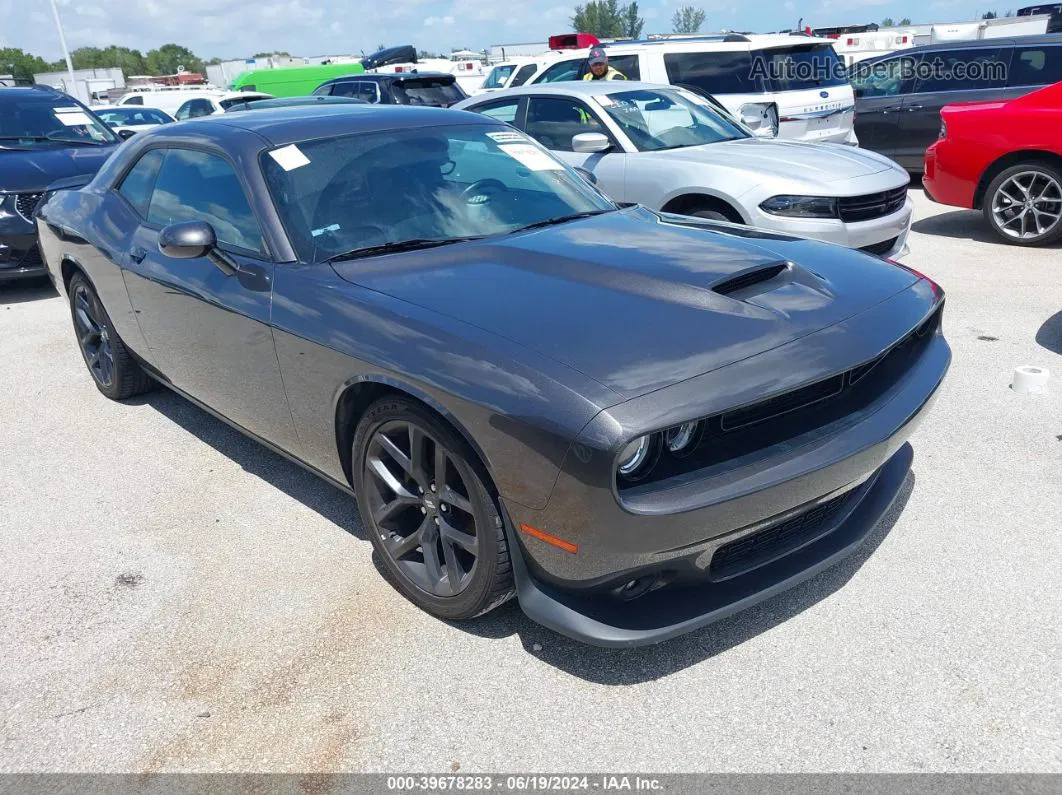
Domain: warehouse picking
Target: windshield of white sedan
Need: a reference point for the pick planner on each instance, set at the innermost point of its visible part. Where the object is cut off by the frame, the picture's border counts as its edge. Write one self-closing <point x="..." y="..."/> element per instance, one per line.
<point x="413" y="188"/>
<point x="42" y="121"/>
<point x="668" y="119"/>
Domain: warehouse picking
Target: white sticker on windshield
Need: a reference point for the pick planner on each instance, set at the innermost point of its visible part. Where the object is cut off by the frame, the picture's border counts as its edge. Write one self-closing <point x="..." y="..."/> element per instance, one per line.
<point x="535" y="159"/>
<point x="604" y="100"/>
<point x="322" y="230"/>
<point x="507" y="137"/>
<point x="290" y="157"/>
<point x="73" y="119"/>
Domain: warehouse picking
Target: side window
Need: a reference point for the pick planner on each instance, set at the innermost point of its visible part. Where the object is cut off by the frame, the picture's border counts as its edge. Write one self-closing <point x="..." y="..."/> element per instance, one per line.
<point x="728" y="72"/>
<point x="201" y="107"/>
<point x="323" y="91"/>
<point x="962" y="70"/>
<point x="502" y="111"/>
<point x="887" y="78"/>
<point x="627" y="65"/>
<point x="564" y="70"/>
<point x="136" y="99"/>
<point x="138" y="183"/>
<point x="196" y="186"/>
<point x="1036" y="66"/>
<point x="343" y="89"/>
<point x="523" y="75"/>
<point x="368" y="91"/>
<point x="552" y="121"/>
<point x="184" y="112"/>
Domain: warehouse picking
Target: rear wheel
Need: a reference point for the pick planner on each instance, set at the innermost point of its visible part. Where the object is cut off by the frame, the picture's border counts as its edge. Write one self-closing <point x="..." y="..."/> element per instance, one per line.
<point x="1023" y="204"/>
<point x="426" y="502"/>
<point x="114" y="371"/>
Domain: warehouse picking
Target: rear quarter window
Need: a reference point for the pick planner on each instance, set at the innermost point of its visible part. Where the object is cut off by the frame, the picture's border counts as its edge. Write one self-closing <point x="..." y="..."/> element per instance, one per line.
<point x="713" y="72"/>
<point x="1036" y="66"/>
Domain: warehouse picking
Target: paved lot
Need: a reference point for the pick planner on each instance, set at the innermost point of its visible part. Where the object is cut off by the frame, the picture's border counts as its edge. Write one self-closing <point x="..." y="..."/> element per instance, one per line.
<point x="174" y="597"/>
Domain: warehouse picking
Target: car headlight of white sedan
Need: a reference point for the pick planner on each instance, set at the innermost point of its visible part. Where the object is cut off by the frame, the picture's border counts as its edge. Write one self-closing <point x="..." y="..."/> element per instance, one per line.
<point x="801" y="206"/>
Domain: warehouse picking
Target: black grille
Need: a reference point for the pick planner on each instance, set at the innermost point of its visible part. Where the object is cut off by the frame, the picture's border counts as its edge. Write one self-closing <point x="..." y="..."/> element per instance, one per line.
<point x="883" y="247"/>
<point x="873" y="205"/>
<point x="790" y="401"/>
<point x="31" y="258"/>
<point x="25" y="203"/>
<point x="759" y="548"/>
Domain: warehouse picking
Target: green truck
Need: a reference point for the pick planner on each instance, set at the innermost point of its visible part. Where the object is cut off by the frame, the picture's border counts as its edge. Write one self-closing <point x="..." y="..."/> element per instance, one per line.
<point x="293" y="81"/>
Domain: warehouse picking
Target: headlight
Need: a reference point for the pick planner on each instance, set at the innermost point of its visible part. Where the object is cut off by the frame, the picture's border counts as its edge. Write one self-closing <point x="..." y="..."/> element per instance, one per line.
<point x="682" y="439"/>
<point x="801" y="206"/>
<point x="638" y="457"/>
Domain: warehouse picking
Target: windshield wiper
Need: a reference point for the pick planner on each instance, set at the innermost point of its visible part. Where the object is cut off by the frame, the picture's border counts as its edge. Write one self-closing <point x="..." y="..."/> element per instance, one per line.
<point x="560" y="219"/>
<point x="400" y="245"/>
<point x="38" y="139"/>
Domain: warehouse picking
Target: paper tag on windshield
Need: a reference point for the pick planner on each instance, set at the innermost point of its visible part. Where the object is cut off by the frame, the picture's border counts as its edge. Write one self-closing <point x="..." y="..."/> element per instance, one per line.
<point x="604" y="100"/>
<point x="507" y="137"/>
<point x="534" y="159"/>
<point x="290" y="157"/>
<point x="73" y="119"/>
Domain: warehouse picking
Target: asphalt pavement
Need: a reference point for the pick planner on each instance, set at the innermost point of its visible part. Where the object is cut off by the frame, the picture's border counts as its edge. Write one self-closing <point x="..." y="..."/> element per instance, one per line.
<point x="175" y="597"/>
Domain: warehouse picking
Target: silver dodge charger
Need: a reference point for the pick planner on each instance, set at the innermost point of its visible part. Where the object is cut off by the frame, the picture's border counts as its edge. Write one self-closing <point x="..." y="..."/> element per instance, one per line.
<point x="671" y="149"/>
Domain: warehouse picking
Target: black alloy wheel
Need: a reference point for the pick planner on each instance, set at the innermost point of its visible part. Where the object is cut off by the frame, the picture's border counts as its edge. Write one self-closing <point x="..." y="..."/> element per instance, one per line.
<point x="429" y="512"/>
<point x="114" y="370"/>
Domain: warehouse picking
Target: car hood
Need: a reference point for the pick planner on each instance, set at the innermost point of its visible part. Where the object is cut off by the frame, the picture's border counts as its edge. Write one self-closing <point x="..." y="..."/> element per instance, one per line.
<point x="631" y="298"/>
<point x="820" y="163"/>
<point x="31" y="171"/>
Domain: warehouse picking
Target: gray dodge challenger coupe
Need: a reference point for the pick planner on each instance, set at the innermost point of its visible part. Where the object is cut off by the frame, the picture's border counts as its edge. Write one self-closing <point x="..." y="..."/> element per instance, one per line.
<point x="635" y="422"/>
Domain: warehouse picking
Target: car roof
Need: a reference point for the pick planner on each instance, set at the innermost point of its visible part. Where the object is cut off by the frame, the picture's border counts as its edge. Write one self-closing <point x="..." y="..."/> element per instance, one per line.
<point x="575" y="88"/>
<point x="282" y="126"/>
<point x="1010" y="41"/>
<point x="378" y="76"/>
<point x="39" y="90"/>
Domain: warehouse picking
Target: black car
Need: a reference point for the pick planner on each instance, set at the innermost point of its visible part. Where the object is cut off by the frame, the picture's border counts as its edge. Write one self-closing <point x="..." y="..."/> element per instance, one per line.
<point x="638" y="423"/>
<point x="434" y="89"/>
<point x="292" y="102"/>
<point x="45" y="136"/>
<point x="899" y="96"/>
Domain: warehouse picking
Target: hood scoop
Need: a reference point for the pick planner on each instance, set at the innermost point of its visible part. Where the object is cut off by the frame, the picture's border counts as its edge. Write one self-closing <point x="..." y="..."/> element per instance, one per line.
<point x="750" y="277"/>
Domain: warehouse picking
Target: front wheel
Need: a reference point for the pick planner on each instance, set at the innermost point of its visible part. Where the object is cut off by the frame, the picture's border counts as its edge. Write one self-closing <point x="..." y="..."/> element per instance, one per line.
<point x="425" y="502"/>
<point x="114" y="371"/>
<point x="1023" y="204"/>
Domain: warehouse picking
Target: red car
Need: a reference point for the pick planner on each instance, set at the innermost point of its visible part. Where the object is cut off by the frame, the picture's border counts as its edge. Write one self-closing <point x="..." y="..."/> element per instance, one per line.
<point x="1006" y="158"/>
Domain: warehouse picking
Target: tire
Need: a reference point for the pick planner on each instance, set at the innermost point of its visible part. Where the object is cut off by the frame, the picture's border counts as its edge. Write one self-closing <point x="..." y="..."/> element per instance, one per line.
<point x="421" y="529"/>
<point x="112" y="367"/>
<point x="1023" y="204"/>
<point x="710" y="214"/>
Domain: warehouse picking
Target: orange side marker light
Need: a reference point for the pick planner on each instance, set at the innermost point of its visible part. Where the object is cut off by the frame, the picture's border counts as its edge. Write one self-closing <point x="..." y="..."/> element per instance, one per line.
<point x="542" y="535"/>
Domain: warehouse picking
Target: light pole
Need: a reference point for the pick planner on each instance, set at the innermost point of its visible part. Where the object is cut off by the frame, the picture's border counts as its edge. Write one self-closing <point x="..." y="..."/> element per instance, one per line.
<point x="66" y="53"/>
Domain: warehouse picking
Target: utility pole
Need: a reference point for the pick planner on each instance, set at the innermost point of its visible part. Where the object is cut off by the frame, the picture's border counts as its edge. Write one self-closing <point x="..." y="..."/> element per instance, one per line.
<point x="72" y="88"/>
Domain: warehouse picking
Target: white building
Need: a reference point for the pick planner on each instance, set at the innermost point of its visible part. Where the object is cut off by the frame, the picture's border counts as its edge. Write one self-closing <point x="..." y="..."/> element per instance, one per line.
<point x="87" y="82"/>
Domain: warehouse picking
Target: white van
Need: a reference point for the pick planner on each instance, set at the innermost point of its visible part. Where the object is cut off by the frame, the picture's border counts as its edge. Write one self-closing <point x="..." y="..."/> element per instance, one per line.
<point x="513" y="73"/>
<point x="785" y="86"/>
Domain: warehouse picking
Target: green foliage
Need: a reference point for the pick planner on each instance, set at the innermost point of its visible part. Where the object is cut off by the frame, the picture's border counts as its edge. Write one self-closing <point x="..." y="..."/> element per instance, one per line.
<point x="887" y="22"/>
<point x="632" y="23"/>
<point x="989" y="15"/>
<point x="905" y="21"/>
<point x="21" y="65"/>
<point x="131" y="62"/>
<point x="166" y="59"/>
<point x="607" y="19"/>
<point x="687" y="19"/>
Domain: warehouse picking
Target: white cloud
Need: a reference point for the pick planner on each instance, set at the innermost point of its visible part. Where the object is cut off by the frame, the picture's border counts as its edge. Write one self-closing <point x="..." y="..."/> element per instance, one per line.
<point x="431" y="21"/>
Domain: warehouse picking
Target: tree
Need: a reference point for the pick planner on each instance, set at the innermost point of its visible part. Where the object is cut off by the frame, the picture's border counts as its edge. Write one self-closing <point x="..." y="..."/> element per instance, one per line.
<point x="905" y="21"/>
<point x="131" y="62"/>
<point x="989" y="15"/>
<point x="21" y="65"/>
<point x="887" y="22"/>
<point x="687" y="20"/>
<point x="601" y="18"/>
<point x="166" y="59"/>
<point x="632" y="23"/>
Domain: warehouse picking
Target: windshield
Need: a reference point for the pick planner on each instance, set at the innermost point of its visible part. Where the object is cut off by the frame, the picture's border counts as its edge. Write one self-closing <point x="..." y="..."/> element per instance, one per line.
<point x="439" y="92"/>
<point x="337" y="195"/>
<point x="42" y="120"/>
<point x="498" y="75"/>
<point x="800" y="68"/>
<point x="132" y="116"/>
<point x="668" y="119"/>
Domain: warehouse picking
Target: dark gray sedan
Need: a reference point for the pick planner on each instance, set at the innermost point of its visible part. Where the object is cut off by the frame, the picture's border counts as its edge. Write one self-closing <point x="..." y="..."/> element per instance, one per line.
<point x="636" y="422"/>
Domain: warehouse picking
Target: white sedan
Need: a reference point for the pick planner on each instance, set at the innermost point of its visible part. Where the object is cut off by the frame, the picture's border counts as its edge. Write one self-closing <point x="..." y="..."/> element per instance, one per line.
<point x="672" y="150"/>
<point x="131" y="118"/>
<point x="209" y="104"/>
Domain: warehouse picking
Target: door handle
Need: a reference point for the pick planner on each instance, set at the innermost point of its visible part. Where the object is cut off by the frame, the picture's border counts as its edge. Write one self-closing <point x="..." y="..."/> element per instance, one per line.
<point x="137" y="254"/>
<point x="890" y="109"/>
<point x="910" y="108"/>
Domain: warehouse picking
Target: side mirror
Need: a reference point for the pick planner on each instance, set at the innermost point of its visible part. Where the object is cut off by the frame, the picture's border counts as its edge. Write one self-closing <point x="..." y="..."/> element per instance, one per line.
<point x="586" y="174"/>
<point x="126" y="134"/>
<point x="194" y="239"/>
<point x="590" y="142"/>
<point x="187" y="240"/>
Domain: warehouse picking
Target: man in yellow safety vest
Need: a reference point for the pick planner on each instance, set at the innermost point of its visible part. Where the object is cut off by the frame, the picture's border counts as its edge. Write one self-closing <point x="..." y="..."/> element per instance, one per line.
<point x="599" y="68"/>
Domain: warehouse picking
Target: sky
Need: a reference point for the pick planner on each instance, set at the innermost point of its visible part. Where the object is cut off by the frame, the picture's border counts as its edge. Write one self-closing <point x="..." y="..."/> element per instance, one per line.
<point x="238" y="28"/>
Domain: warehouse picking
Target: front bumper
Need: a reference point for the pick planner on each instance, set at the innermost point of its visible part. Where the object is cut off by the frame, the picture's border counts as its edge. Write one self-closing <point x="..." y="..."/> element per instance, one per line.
<point x="712" y="543"/>
<point x="20" y="257"/>
<point x="885" y="236"/>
